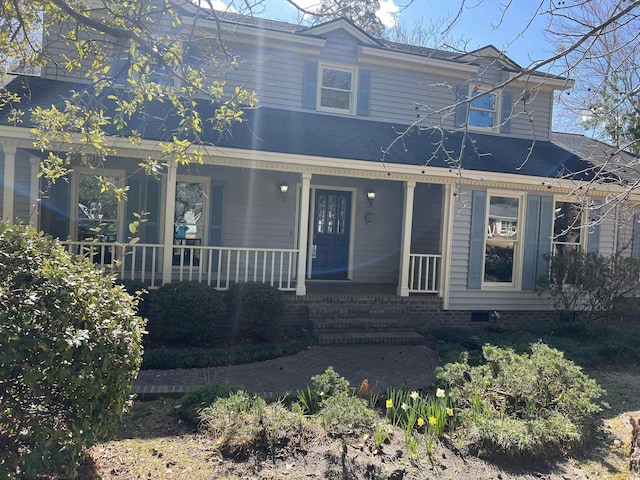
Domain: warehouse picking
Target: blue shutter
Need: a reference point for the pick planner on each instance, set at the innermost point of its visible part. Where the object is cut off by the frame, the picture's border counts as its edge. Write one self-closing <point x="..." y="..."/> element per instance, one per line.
<point x="309" y="84"/>
<point x="531" y="237"/>
<point x="476" y="247"/>
<point x="593" y="240"/>
<point x="635" y="241"/>
<point x="153" y="198"/>
<point x="216" y="214"/>
<point x="544" y="233"/>
<point x="57" y="202"/>
<point x="507" y="105"/>
<point x="364" y="92"/>
<point x="133" y="206"/>
<point x="462" y="93"/>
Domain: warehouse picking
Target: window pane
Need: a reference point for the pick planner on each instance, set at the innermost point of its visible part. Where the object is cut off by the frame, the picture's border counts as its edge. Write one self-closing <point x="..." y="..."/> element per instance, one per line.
<point x="503" y="218"/>
<point x="189" y="205"/>
<point x="485" y="102"/>
<point x="342" y="214"/>
<point x="336" y="79"/>
<point x="498" y="262"/>
<point x="97" y="210"/>
<point x="480" y="118"/>
<point x="335" y="99"/>
<point x="322" y="214"/>
<point x="331" y="214"/>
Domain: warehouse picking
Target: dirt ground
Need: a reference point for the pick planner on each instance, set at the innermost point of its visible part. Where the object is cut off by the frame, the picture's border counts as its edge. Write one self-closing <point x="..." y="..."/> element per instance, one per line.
<point x="155" y="444"/>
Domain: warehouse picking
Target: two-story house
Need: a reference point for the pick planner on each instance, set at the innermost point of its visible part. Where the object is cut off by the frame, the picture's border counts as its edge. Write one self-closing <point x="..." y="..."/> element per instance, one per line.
<point x="318" y="189"/>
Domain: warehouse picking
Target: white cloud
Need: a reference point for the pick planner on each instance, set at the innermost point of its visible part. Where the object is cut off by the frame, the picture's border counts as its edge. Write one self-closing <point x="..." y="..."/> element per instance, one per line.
<point x="387" y="13"/>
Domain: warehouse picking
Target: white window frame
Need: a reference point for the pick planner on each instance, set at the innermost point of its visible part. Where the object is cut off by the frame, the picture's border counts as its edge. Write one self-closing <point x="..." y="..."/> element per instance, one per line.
<point x="516" y="278"/>
<point x="205" y="208"/>
<point x="584" y="232"/>
<point x="496" y="111"/>
<point x="353" y="92"/>
<point x="75" y="195"/>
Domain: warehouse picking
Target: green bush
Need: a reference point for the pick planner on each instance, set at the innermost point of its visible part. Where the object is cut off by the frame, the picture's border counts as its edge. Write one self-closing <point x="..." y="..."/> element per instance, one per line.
<point x="586" y="286"/>
<point x="256" y="312"/>
<point x="343" y="415"/>
<point x="191" y="314"/>
<point x="196" y="400"/>
<point x="71" y="348"/>
<point x="324" y="385"/>
<point x="534" y="404"/>
<point x="138" y="289"/>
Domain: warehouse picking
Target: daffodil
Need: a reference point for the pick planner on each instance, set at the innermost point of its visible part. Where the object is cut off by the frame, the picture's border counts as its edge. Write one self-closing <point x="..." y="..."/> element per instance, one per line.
<point x="450" y="412"/>
<point x="432" y="420"/>
<point x="420" y="421"/>
<point x="389" y="403"/>
<point x="440" y="393"/>
<point x="414" y="395"/>
<point x="404" y="406"/>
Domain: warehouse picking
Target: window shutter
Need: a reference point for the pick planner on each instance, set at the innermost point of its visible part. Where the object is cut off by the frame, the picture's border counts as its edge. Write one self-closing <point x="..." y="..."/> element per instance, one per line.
<point x="462" y="93"/>
<point x="593" y="240"/>
<point x="215" y="217"/>
<point x="364" y="92"/>
<point x="635" y="241"/>
<point x="544" y="233"/>
<point x="152" y="204"/>
<point x="476" y="247"/>
<point x="531" y="237"/>
<point x="310" y="84"/>
<point x="133" y="206"/>
<point x="507" y="106"/>
<point x="59" y="204"/>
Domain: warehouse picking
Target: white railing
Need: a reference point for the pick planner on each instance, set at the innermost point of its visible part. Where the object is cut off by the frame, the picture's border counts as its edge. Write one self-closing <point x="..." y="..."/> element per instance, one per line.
<point x="217" y="266"/>
<point x="137" y="261"/>
<point x="424" y="271"/>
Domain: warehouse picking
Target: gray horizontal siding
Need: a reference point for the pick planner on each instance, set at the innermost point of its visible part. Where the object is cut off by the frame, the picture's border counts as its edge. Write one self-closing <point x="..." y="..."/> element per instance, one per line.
<point x="23" y="203"/>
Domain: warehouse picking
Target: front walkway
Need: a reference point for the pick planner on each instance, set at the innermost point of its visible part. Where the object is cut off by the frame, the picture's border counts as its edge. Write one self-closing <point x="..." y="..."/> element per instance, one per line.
<point x="411" y="366"/>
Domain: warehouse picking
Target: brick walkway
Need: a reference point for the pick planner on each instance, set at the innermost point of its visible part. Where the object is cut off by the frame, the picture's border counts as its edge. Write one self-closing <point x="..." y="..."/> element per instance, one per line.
<point x="383" y="365"/>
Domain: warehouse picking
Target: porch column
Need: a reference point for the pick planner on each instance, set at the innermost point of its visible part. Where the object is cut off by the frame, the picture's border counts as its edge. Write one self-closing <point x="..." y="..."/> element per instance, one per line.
<point x="303" y="244"/>
<point x="8" y="184"/>
<point x="34" y="193"/>
<point x="169" y="215"/>
<point x="405" y="242"/>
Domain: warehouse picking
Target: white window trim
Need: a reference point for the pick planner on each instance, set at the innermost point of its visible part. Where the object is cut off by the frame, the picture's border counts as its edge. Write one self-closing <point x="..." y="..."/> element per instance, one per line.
<point x="516" y="281"/>
<point x="354" y="88"/>
<point x="584" y="220"/>
<point x="496" y="113"/>
<point x="75" y="195"/>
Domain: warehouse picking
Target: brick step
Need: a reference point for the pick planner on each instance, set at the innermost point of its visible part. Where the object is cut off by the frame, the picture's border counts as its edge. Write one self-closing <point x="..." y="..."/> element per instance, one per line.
<point x="386" y="338"/>
<point x="368" y="310"/>
<point x="365" y="325"/>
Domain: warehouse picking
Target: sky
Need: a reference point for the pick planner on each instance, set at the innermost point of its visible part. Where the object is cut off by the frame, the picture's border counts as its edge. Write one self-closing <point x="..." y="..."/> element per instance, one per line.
<point x="481" y="22"/>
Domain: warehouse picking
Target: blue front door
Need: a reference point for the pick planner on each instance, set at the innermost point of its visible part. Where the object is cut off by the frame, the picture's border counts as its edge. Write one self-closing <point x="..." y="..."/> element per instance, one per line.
<point x="332" y="219"/>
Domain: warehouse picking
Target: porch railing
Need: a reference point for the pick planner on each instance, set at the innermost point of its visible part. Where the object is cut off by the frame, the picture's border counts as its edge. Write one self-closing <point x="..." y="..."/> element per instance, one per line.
<point x="217" y="266"/>
<point x="424" y="272"/>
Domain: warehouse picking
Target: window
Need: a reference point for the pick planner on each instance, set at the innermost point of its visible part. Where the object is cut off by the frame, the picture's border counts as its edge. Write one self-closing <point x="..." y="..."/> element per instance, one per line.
<point x="190" y="216"/>
<point x="98" y="209"/>
<point x="336" y="89"/>
<point x="482" y="109"/>
<point x="502" y="241"/>
<point x="568" y="219"/>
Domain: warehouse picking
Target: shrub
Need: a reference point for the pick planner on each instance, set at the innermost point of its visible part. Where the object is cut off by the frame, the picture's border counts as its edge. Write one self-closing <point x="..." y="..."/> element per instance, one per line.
<point x="191" y="314"/>
<point x="138" y="289"/>
<point x="71" y="348"/>
<point x="537" y="404"/>
<point x="196" y="400"/>
<point x="325" y="385"/>
<point x="256" y="312"/>
<point x="343" y="415"/>
<point x="588" y="286"/>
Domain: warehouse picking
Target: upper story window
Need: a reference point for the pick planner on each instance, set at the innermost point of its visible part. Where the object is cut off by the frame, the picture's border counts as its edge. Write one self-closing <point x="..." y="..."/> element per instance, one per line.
<point x="483" y="109"/>
<point x="568" y="220"/>
<point x="336" y="89"/>
<point x="503" y="240"/>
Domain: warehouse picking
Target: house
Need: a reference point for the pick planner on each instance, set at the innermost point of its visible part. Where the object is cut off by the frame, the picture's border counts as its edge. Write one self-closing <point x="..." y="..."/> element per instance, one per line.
<point x="318" y="189"/>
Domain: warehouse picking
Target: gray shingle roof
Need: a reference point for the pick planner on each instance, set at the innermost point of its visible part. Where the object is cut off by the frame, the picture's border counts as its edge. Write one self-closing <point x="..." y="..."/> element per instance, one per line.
<point x="314" y="134"/>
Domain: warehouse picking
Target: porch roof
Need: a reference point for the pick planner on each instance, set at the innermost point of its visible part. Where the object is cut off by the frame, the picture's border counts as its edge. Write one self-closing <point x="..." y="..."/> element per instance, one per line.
<point x="321" y="135"/>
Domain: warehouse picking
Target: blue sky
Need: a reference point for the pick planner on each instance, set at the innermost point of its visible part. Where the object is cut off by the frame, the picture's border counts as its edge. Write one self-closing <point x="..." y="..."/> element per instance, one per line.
<point x="481" y="22"/>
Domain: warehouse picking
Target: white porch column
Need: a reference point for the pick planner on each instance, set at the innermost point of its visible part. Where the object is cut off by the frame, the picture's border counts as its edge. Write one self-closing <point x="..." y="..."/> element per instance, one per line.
<point x="303" y="244"/>
<point x="169" y="215"/>
<point x="405" y="242"/>
<point x="34" y="193"/>
<point x="8" y="184"/>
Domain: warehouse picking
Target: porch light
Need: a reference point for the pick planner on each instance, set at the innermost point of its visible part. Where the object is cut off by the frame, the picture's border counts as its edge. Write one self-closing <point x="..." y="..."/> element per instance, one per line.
<point x="284" y="188"/>
<point x="371" y="196"/>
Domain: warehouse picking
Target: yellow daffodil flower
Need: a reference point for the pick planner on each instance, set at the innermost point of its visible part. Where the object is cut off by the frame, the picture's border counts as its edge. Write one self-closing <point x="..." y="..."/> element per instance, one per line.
<point x="420" y="421"/>
<point x="432" y="420"/>
<point x="440" y="393"/>
<point x="450" y="412"/>
<point x="389" y="403"/>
